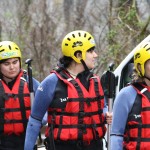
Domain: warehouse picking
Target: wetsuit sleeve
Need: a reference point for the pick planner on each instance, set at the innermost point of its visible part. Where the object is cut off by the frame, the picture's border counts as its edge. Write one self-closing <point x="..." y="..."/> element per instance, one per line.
<point x="43" y="98"/>
<point x="36" y="83"/>
<point x="44" y="120"/>
<point x="32" y="132"/>
<point x="35" y="86"/>
<point x="122" y="106"/>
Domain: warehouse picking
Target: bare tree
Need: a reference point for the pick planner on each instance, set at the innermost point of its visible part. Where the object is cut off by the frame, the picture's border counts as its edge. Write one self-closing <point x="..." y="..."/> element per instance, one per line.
<point x="0" y="31"/>
<point x="39" y="26"/>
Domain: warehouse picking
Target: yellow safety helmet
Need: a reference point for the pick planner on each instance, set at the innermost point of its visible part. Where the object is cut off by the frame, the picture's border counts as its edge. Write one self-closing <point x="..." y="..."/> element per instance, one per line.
<point x="8" y="50"/>
<point x="77" y="41"/>
<point x="141" y="55"/>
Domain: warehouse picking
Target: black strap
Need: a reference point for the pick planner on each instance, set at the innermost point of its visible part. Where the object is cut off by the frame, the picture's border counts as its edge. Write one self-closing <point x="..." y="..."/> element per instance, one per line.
<point x="81" y="102"/>
<point x="6" y="96"/>
<point x="51" y="133"/>
<point x="140" y="140"/>
<point x="141" y="126"/>
<point x="61" y="122"/>
<point x="22" y="104"/>
<point x="61" y="72"/>
<point x="140" y="88"/>
<point x="12" y="109"/>
<point x="12" y="121"/>
<point x="87" y="99"/>
<point x="86" y="114"/>
<point x="96" y="87"/>
<point x="2" y="103"/>
<point x="81" y="131"/>
<point x="80" y="126"/>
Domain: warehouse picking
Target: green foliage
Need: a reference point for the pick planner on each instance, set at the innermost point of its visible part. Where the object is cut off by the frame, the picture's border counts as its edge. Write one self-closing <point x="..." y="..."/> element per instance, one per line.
<point x="111" y="34"/>
<point x="39" y="26"/>
<point x="125" y="32"/>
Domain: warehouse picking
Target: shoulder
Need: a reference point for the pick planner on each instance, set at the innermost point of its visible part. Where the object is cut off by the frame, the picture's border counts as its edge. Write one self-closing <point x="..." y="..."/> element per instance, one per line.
<point x="128" y="89"/>
<point x="126" y="97"/>
<point x="48" y="84"/>
<point x="127" y="92"/>
<point x="51" y="79"/>
<point x="35" y="81"/>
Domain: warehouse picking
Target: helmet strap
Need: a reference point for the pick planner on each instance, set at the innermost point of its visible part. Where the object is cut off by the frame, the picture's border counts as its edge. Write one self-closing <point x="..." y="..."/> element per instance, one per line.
<point x="84" y="65"/>
<point x="146" y="77"/>
<point x="89" y="74"/>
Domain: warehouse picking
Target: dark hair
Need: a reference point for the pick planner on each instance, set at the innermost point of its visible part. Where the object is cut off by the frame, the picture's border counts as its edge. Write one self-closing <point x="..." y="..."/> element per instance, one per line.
<point x="2" y="61"/>
<point x="65" y="61"/>
<point x="136" y="77"/>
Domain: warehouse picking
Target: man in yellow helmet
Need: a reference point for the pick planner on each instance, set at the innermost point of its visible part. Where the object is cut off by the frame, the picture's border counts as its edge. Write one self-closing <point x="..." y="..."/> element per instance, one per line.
<point x="74" y="98"/>
<point x="131" y="111"/>
<point x="14" y="98"/>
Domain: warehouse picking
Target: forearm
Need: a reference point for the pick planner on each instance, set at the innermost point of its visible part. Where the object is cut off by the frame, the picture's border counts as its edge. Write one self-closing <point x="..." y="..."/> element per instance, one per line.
<point x="121" y="109"/>
<point x="32" y="131"/>
<point x="116" y="142"/>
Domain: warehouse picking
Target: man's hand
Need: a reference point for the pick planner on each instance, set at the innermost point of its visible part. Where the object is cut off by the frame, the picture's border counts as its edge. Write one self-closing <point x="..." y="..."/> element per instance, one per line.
<point x="109" y="117"/>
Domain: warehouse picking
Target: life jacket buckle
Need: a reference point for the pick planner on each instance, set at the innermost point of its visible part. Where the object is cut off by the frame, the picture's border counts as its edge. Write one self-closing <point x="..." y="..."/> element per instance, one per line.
<point x="9" y="95"/>
<point x="88" y="101"/>
<point x="81" y="114"/>
<point x="83" y="128"/>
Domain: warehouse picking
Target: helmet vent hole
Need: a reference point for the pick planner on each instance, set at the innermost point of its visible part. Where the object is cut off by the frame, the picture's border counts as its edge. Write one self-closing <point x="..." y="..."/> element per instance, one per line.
<point x="73" y="35"/>
<point x="2" y="50"/>
<point x="16" y="48"/>
<point x="145" y="45"/>
<point x="66" y="44"/>
<point x="68" y="39"/>
<point x="79" y="34"/>
<point x="89" y="38"/>
<point x="85" y="35"/>
<point x="148" y="49"/>
<point x="9" y="47"/>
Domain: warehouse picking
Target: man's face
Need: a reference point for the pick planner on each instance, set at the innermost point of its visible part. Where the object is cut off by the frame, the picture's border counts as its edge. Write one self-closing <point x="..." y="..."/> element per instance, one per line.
<point x="90" y="58"/>
<point x="147" y="68"/>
